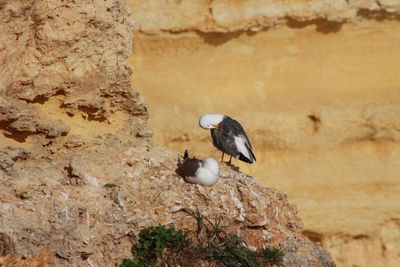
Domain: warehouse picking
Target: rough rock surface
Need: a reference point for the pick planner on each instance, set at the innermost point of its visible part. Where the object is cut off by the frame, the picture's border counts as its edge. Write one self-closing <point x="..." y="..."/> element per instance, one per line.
<point x="70" y="124"/>
<point x="62" y="204"/>
<point x="253" y="15"/>
<point x="316" y="86"/>
<point x="55" y="68"/>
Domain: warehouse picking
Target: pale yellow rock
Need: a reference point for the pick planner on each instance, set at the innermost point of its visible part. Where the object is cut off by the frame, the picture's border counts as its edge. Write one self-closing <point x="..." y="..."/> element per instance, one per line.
<point x="228" y="16"/>
<point x="316" y="86"/>
<point x="55" y="68"/>
<point x="80" y="176"/>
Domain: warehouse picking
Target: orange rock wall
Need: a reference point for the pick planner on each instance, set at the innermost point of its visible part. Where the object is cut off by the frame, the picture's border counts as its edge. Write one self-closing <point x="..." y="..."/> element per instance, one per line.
<point x="316" y="86"/>
<point x="80" y="175"/>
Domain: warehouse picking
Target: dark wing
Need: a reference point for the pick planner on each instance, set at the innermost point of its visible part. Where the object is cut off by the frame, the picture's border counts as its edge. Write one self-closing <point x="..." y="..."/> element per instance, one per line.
<point x="233" y="128"/>
<point x="224" y="141"/>
<point x="225" y="136"/>
<point x="190" y="166"/>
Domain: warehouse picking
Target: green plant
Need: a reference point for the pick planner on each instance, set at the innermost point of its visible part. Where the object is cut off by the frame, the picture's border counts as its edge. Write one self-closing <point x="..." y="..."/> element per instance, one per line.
<point x="213" y="244"/>
<point x="231" y="250"/>
<point x="110" y="185"/>
<point x="272" y="255"/>
<point x="152" y="242"/>
<point x="131" y="263"/>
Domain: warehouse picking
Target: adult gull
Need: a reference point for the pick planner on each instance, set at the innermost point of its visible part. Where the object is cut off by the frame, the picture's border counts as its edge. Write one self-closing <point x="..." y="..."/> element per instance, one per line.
<point x="228" y="136"/>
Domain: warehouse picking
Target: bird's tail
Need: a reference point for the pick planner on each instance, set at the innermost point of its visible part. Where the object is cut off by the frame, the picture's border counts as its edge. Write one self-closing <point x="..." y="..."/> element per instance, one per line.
<point x="250" y="160"/>
<point x="244" y="158"/>
<point x="252" y="155"/>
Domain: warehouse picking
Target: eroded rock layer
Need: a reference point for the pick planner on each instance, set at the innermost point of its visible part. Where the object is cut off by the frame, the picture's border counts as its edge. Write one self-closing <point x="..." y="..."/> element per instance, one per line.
<point x="255" y="15"/>
<point x="63" y="71"/>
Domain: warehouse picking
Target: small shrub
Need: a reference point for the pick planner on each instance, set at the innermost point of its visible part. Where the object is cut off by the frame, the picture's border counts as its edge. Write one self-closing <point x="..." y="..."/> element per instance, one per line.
<point x="130" y="263"/>
<point x="152" y="242"/>
<point x="213" y="244"/>
<point x="232" y="252"/>
<point x="272" y="255"/>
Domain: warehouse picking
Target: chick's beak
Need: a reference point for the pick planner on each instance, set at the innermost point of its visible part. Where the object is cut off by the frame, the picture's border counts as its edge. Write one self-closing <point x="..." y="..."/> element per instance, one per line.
<point x="215" y="126"/>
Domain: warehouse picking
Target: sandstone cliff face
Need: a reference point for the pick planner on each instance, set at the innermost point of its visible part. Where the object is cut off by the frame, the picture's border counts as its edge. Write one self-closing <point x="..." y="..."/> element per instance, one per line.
<point x="57" y="77"/>
<point x="63" y="206"/>
<point x="70" y="123"/>
<point x="316" y="85"/>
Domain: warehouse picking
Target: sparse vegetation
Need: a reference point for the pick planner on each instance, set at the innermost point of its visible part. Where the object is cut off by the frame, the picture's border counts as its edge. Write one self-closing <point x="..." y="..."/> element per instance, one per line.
<point x="232" y="252"/>
<point x="223" y="247"/>
<point x="110" y="185"/>
<point x="273" y="255"/>
<point x="163" y="244"/>
<point x="153" y="241"/>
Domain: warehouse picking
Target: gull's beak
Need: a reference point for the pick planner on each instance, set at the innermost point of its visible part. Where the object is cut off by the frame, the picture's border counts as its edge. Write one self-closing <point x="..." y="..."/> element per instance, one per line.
<point x="215" y="126"/>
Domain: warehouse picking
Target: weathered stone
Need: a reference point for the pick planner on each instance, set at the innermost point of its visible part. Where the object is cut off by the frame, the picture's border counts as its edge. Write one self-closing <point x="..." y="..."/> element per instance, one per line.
<point x="65" y="97"/>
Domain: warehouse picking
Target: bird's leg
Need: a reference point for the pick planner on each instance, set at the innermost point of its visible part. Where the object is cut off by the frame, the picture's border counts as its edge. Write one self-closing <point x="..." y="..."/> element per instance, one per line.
<point x="230" y="159"/>
<point x="222" y="158"/>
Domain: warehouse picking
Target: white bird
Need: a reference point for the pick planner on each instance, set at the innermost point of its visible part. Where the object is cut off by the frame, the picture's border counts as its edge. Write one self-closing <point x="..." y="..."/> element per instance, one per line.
<point x="204" y="172"/>
<point x="228" y="136"/>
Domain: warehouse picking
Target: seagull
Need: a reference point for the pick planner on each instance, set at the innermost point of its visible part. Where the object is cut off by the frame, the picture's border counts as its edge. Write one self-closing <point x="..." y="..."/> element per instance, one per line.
<point x="228" y="136"/>
<point x="204" y="172"/>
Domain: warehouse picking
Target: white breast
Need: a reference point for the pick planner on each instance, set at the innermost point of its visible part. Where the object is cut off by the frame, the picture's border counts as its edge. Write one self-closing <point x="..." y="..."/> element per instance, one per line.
<point x="208" y="174"/>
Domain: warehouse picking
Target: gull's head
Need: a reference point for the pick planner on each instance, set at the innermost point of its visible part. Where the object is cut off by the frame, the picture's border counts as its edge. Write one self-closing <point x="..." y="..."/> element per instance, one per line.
<point x="211" y="121"/>
<point x="212" y="165"/>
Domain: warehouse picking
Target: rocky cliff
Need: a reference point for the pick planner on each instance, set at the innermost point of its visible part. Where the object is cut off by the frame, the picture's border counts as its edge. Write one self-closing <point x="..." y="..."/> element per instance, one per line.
<point x="316" y="86"/>
<point x="71" y="124"/>
<point x="255" y="15"/>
